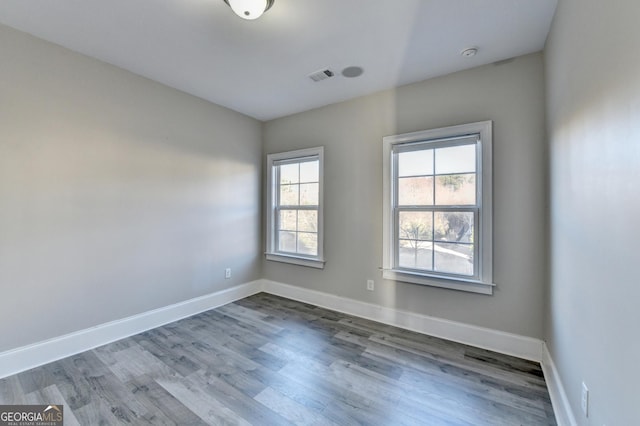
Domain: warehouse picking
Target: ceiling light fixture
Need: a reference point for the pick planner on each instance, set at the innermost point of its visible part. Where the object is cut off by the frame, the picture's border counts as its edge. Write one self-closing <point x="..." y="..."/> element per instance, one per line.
<point x="249" y="9"/>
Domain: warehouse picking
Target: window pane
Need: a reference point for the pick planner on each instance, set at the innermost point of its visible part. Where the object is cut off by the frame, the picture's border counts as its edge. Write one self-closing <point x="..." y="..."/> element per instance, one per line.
<point x="289" y="195"/>
<point x="457" y="159"/>
<point x="415" y="255"/>
<point x="308" y="220"/>
<point x="309" y="171"/>
<point x="289" y="173"/>
<point x="308" y="243"/>
<point x="416" y="226"/>
<point x="454" y="258"/>
<point x="456" y="189"/>
<point x="288" y="220"/>
<point x="309" y="194"/>
<point x="415" y="191"/>
<point x="287" y="241"/>
<point x="454" y="226"/>
<point x="415" y="163"/>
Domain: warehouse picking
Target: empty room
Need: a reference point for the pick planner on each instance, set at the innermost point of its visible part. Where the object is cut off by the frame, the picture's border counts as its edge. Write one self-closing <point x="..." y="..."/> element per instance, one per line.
<point x="319" y="212"/>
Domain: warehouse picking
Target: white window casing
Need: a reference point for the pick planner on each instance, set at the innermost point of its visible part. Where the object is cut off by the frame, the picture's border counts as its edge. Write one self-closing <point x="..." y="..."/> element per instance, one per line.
<point x="435" y="148"/>
<point x="295" y="242"/>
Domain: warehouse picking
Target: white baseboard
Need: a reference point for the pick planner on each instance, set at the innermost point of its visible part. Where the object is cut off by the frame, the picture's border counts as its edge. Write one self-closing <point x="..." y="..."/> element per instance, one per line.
<point x="486" y="338"/>
<point x="27" y="357"/>
<point x="559" y="399"/>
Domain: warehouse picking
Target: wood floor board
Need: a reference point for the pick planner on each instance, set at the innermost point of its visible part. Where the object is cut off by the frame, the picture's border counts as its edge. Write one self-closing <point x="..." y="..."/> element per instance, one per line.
<point x="378" y="365"/>
<point x="95" y="378"/>
<point x="97" y="413"/>
<point x="152" y="343"/>
<point x="305" y="318"/>
<point x="76" y="391"/>
<point x="52" y="395"/>
<point x="157" y="400"/>
<point x="225" y="359"/>
<point x="250" y="324"/>
<point x="366" y="395"/>
<point x="134" y="362"/>
<point x="450" y="366"/>
<point x="34" y="380"/>
<point x="241" y="404"/>
<point x="432" y="387"/>
<point x="297" y="390"/>
<point x="351" y="407"/>
<point x="266" y="360"/>
<point x="11" y="391"/>
<point x="199" y="401"/>
<point x="307" y="373"/>
<point x="383" y="391"/>
<point x="291" y="410"/>
<point x="442" y="376"/>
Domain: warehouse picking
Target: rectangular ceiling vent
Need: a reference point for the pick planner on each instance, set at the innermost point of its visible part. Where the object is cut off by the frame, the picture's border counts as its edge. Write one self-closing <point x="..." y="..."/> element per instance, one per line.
<point x="321" y="75"/>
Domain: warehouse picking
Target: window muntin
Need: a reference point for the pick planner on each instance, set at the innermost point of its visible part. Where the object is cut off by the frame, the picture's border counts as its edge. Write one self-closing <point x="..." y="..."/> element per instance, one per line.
<point x="438" y="214"/>
<point x="294" y="212"/>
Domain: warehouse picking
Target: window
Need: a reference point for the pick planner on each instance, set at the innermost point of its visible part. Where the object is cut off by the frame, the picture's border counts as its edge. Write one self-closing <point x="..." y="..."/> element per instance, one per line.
<point x="294" y="209"/>
<point x="437" y="217"/>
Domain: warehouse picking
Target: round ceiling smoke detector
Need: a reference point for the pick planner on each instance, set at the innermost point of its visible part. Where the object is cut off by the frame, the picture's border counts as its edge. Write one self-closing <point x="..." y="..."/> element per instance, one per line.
<point x="470" y="52"/>
<point x="352" y="72"/>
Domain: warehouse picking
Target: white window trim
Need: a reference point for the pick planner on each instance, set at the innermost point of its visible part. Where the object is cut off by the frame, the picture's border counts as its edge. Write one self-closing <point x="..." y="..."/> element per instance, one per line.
<point x="271" y="254"/>
<point x="484" y="285"/>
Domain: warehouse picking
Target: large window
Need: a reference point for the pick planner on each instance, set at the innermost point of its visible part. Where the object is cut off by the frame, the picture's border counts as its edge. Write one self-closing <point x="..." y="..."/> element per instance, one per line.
<point x="438" y="207"/>
<point x="294" y="209"/>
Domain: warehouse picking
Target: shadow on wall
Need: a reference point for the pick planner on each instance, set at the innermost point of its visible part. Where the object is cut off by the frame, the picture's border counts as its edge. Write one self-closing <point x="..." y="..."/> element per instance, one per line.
<point x="110" y="209"/>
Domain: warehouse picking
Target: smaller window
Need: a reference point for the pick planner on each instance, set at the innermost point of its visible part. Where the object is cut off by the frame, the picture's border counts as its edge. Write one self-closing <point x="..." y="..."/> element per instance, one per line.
<point x="294" y="207"/>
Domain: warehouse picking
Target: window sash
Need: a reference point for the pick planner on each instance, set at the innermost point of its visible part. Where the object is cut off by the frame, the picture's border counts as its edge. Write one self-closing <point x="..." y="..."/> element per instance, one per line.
<point x="297" y="160"/>
<point x="421" y="146"/>
<point x="436" y="143"/>
<point x="277" y="230"/>
<point x="476" y="208"/>
<point x="476" y="246"/>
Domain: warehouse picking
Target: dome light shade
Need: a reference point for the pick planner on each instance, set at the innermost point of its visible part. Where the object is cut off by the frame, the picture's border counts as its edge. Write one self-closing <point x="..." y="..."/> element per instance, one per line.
<point x="249" y="9"/>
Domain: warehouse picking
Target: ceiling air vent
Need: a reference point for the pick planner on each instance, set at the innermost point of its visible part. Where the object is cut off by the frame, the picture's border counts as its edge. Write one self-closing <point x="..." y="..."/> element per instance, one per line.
<point x="321" y="75"/>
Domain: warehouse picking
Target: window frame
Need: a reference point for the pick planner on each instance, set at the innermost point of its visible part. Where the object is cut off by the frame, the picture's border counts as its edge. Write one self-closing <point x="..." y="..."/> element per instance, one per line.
<point x="272" y="207"/>
<point x="481" y="282"/>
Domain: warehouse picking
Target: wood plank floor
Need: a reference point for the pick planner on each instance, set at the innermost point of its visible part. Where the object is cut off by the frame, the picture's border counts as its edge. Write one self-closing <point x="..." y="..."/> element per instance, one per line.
<point x="265" y="360"/>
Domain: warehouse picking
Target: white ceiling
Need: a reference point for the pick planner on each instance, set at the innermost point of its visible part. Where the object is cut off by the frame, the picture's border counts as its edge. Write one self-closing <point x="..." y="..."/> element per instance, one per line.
<point x="259" y="67"/>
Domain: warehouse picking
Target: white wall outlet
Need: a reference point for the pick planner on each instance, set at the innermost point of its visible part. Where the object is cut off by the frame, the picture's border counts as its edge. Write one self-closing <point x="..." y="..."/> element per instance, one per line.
<point x="227" y="273"/>
<point x="370" y="285"/>
<point x="584" y="402"/>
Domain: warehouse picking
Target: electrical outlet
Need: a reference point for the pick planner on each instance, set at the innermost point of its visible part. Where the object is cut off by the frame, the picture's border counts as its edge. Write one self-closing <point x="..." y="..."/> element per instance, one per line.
<point x="227" y="273"/>
<point x="370" y="285"/>
<point x="585" y="400"/>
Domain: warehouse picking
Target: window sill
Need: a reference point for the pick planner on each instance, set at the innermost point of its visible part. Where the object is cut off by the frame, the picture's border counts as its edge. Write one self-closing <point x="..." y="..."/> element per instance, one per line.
<point x="461" y="284"/>
<point x="295" y="260"/>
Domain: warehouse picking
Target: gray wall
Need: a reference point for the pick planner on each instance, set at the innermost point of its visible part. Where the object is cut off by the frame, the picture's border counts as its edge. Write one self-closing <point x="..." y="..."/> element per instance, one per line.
<point x="593" y="103"/>
<point x="512" y="95"/>
<point x="117" y="194"/>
